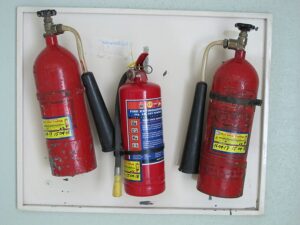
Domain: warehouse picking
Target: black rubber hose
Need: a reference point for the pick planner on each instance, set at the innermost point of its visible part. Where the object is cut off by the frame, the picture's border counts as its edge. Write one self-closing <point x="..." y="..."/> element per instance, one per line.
<point x="191" y="152"/>
<point x="118" y="135"/>
<point x="101" y="116"/>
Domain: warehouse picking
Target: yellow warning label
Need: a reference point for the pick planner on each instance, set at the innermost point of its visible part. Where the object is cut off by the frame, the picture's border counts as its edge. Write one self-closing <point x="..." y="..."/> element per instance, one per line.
<point x="55" y="128"/>
<point x="230" y="142"/>
<point x="132" y="170"/>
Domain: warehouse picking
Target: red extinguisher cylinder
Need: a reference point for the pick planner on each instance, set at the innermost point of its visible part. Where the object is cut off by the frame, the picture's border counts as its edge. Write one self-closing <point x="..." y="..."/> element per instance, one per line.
<point x="228" y="129"/>
<point x="64" y="117"/>
<point x="142" y="136"/>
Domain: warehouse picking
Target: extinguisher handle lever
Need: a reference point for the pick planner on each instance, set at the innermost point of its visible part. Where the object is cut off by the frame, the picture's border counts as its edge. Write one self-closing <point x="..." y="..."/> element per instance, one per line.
<point x="46" y="13"/>
<point x="140" y="61"/>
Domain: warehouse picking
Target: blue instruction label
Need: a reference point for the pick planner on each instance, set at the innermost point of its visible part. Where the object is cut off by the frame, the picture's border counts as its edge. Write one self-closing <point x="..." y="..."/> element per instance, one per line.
<point x="144" y="129"/>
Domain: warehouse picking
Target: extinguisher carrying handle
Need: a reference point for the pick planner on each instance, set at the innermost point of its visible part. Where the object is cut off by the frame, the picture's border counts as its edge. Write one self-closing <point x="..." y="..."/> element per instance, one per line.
<point x="100" y="113"/>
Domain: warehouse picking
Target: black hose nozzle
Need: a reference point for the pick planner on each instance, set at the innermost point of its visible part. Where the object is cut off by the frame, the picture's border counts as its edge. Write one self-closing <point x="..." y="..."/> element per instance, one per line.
<point x="191" y="152"/>
<point x="101" y="116"/>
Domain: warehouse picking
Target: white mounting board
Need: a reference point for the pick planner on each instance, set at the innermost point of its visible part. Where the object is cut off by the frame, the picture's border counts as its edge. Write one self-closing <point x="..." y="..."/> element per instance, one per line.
<point x="176" y="40"/>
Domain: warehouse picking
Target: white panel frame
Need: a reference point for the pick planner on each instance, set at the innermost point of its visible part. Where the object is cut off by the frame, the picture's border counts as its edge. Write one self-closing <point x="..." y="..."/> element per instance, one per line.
<point x="150" y="210"/>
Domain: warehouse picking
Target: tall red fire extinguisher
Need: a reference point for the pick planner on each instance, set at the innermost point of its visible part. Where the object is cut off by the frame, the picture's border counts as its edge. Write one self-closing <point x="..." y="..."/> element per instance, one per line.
<point x="139" y="109"/>
<point x="225" y="143"/>
<point x="61" y="97"/>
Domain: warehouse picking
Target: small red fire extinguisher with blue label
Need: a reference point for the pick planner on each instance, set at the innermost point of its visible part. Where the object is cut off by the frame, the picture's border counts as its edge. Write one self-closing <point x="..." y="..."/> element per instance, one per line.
<point x="140" y="111"/>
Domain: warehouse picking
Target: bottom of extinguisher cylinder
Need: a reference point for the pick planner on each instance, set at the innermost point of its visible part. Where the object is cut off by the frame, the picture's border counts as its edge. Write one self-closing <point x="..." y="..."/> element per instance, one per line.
<point x="70" y="158"/>
<point x="219" y="179"/>
<point x="145" y="190"/>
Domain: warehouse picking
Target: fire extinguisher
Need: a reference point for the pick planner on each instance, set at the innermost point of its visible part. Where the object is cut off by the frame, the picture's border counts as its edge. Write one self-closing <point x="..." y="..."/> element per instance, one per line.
<point x="61" y="97"/>
<point x="225" y="143"/>
<point x="139" y="131"/>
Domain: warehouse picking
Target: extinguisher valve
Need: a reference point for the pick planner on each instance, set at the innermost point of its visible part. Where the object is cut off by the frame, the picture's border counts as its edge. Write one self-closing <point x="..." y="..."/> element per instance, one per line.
<point x="46" y="13"/>
<point x="50" y="28"/>
<point x="245" y="27"/>
<point x="241" y="42"/>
